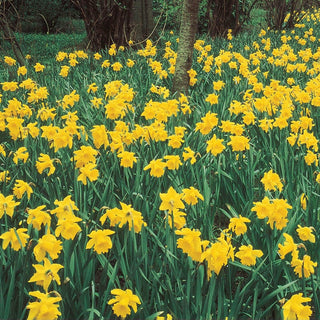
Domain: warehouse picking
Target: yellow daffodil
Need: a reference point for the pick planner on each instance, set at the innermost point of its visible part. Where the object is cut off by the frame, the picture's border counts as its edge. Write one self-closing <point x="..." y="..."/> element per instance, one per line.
<point x="16" y="237"/>
<point x="271" y="181"/>
<point x="238" y="225"/>
<point x="46" y="273"/>
<point x="157" y="168"/>
<point x="248" y="255"/>
<point x="100" y="241"/>
<point x="217" y="256"/>
<point x="294" y="308"/>
<point x="45" y="308"/>
<point x="191" y="243"/>
<point x="7" y="205"/>
<point x="47" y="244"/>
<point x="20" y="188"/>
<point x="124" y="299"/>
<point x="305" y="233"/>
<point x="171" y="200"/>
<point x="37" y="217"/>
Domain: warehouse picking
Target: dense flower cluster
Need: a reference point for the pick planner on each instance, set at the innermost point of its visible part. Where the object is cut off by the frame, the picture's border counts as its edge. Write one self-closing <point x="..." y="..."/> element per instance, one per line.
<point x="107" y="169"/>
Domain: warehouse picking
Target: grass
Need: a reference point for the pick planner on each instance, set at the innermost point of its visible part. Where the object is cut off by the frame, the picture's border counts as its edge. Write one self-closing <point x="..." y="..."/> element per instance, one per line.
<point x="45" y="46"/>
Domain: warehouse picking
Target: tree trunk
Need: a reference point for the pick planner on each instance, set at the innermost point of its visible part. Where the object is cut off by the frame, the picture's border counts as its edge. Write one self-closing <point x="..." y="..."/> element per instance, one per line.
<point x="9" y="35"/>
<point x="142" y="23"/>
<point x="222" y="15"/>
<point x="188" y="30"/>
<point x="106" y="21"/>
<point x="276" y="13"/>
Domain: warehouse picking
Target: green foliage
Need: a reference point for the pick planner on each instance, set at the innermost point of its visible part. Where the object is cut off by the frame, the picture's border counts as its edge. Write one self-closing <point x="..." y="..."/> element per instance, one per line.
<point x="45" y="46"/>
<point x="167" y="14"/>
<point x="286" y="13"/>
<point x="34" y="16"/>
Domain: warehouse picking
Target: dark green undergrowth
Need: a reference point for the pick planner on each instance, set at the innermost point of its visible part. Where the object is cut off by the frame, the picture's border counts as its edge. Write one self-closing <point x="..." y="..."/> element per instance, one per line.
<point x="45" y="46"/>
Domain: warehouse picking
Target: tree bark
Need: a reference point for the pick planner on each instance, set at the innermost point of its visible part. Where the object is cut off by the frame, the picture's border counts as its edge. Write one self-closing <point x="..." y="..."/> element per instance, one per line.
<point x="142" y="23"/>
<point x="188" y="30"/>
<point x="277" y="11"/>
<point x="9" y="35"/>
<point x="223" y="15"/>
<point x="106" y="21"/>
